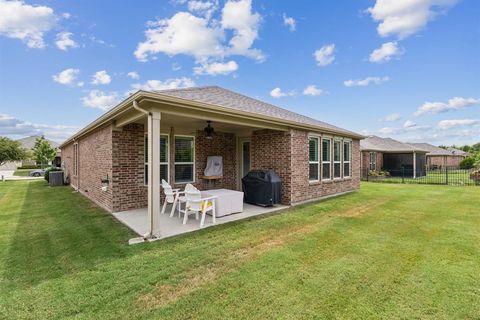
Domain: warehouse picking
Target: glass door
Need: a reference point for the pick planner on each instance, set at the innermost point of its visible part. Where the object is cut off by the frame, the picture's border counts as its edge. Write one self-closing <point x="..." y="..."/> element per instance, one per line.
<point x="245" y="157"/>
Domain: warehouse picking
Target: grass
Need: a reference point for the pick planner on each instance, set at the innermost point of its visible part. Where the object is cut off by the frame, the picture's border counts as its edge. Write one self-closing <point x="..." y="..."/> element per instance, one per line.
<point x="387" y="251"/>
<point x="22" y="172"/>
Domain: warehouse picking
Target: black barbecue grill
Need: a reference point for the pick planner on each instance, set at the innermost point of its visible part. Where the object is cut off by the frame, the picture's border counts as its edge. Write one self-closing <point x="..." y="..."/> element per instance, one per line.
<point x="262" y="187"/>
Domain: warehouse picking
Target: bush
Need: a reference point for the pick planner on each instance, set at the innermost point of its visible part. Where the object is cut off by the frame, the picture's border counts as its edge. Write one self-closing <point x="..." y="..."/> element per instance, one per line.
<point x="29" y="167"/>
<point x="467" y="163"/>
<point x="47" y="173"/>
<point x="475" y="176"/>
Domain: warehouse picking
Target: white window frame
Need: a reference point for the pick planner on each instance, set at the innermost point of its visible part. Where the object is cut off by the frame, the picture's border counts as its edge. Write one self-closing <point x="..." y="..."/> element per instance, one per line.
<point x="330" y="152"/>
<point x="145" y="165"/>
<point x="318" y="162"/>
<point x="192" y="163"/>
<point x="374" y="162"/>
<point x="75" y="159"/>
<point x="349" y="142"/>
<point x="337" y="140"/>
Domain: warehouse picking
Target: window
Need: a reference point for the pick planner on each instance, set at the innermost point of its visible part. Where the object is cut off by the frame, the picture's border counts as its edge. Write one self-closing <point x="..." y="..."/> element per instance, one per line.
<point x="75" y="159"/>
<point x="326" y="159"/>
<point x="313" y="159"/>
<point x="184" y="159"/>
<point x="346" y="159"/>
<point x="337" y="159"/>
<point x="163" y="158"/>
<point x="373" y="161"/>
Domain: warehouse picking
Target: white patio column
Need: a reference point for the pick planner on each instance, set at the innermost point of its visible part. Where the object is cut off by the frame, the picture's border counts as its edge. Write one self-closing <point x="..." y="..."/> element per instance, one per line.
<point x="414" y="165"/>
<point x="154" y="173"/>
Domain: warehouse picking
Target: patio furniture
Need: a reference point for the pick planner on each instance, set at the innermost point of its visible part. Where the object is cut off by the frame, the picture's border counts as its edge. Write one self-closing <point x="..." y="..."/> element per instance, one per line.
<point x="171" y="196"/>
<point x="196" y="203"/>
<point x="227" y="201"/>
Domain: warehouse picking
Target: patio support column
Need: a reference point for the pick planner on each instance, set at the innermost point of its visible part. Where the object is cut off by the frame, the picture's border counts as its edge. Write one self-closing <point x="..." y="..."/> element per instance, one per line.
<point x="414" y="165"/>
<point x="154" y="173"/>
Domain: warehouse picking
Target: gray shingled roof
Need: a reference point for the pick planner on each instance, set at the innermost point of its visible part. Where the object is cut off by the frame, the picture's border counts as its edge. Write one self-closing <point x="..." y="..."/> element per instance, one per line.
<point x="459" y="152"/>
<point x="436" y="151"/>
<point x="29" y="142"/>
<point x="374" y="143"/>
<point x="228" y="99"/>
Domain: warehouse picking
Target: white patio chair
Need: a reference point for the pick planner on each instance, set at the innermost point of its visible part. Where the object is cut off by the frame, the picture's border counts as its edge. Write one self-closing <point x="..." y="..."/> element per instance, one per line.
<point x="182" y="199"/>
<point x="196" y="204"/>
<point x="171" y="196"/>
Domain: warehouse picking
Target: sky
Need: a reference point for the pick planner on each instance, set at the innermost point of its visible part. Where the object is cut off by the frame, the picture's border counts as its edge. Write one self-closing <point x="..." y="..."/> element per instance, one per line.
<point x="409" y="70"/>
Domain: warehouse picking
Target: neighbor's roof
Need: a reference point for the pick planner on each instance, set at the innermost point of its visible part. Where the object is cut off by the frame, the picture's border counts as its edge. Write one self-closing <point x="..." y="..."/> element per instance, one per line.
<point x="374" y="143"/>
<point x="459" y="152"/>
<point x="437" y="151"/>
<point x="29" y="142"/>
<point x="219" y="96"/>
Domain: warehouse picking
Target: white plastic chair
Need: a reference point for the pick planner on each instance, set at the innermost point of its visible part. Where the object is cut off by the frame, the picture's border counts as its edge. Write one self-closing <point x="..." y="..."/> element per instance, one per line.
<point x="171" y="196"/>
<point x="196" y="204"/>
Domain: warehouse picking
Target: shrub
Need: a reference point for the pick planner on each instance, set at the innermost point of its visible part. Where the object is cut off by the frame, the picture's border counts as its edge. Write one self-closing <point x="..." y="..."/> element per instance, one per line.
<point x="475" y="176"/>
<point x="47" y="173"/>
<point x="29" y="167"/>
<point x="467" y="163"/>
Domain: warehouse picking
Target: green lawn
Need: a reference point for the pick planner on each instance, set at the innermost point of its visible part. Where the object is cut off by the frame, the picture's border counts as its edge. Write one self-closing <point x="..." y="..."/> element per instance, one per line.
<point x="22" y="172"/>
<point x="388" y="251"/>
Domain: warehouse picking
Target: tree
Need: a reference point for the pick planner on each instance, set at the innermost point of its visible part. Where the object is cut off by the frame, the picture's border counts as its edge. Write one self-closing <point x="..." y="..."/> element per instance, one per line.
<point x="11" y="150"/>
<point x="43" y="151"/>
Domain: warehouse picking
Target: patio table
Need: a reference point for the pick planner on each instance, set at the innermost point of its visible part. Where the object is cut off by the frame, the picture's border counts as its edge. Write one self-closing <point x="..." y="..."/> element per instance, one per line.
<point x="227" y="202"/>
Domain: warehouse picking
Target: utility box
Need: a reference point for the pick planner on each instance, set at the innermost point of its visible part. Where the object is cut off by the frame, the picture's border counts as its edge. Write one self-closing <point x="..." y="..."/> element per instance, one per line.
<point x="55" y="178"/>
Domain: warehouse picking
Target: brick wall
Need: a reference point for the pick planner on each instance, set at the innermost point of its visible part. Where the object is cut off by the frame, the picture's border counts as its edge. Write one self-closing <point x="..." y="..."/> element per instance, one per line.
<point x="222" y="144"/>
<point x="442" y="161"/>
<point x="366" y="161"/>
<point x="129" y="188"/>
<point x="272" y="150"/>
<point x="95" y="163"/>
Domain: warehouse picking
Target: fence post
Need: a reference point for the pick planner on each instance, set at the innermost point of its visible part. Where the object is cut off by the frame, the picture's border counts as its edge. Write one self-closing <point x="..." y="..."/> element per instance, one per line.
<point x="446" y="176"/>
<point x="403" y="174"/>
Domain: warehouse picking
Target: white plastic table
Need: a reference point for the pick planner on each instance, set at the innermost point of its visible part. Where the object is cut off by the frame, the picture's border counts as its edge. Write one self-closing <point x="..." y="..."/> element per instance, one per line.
<point x="227" y="202"/>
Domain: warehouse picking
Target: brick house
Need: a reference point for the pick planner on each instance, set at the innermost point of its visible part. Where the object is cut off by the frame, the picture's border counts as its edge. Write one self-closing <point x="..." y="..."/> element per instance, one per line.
<point x="439" y="158"/>
<point x="395" y="157"/>
<point x="109" y="161"/>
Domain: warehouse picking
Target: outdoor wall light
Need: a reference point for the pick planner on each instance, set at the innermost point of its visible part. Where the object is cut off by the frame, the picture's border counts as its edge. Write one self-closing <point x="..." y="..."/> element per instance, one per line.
<point x="209" y="130"/>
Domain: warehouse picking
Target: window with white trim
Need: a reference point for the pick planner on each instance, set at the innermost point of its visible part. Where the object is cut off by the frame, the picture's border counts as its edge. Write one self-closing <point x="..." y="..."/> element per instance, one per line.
<point x="75" y="159"/>
<point x="326" y="159"/>
<point x="337" y="159"/>
<point x="347" y="146"/>
<point x="373" y="161"/>
<point x="163" y="158"/>
<point x="314" y="163"/>
<point x="184" y="159"/>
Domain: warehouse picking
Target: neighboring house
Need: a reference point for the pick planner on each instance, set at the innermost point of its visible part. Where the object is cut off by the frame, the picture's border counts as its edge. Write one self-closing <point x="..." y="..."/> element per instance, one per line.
<point x="29" y="143"/>
<point x="438" y="158"/>
<point x="314" y="159"/>
<point x="387" y="154"/>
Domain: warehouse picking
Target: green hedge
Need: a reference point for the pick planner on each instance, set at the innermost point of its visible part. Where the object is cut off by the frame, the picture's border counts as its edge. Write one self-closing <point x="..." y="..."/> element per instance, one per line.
<point x="29" y="167"/>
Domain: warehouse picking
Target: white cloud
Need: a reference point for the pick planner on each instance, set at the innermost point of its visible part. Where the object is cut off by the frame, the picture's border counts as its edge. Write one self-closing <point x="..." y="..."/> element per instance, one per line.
<point x="176" y="66"/>
<point x="64" y="41"/>
<point x="392" y="117"/>
<point x="324" y="56"/>
<point x="203" y="38"/>
<point x="386" y="52"/>
<point x="101" y="77"/>
<point x="289" y="22"/>
<point x="216" y="68"/>
<point x="365" y="82"/>
<point x="67" y="76"/>
<point x="404" y="18"/>
<point x="204" y="8"/>
<point x="455" y="103"/>
<point x="66" y="15"/>
<point x="133" y="75"/>
<point x="407" y="127"/>
<point x="152" y="85"/>
<point x="17" y="128"/>
<point x="278" y="93"/>
<point x="449" y="124"/>
<point x="312" y="90"/>
<point x="25" y="22"/>
<point x="99" y="99"/>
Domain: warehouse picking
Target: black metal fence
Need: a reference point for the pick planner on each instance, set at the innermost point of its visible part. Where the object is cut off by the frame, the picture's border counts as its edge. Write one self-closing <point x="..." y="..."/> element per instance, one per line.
<point x="440" y="176"/>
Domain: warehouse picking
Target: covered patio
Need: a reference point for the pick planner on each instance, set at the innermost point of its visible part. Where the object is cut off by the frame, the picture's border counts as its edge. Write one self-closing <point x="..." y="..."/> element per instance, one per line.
<point x="138" y="220"/>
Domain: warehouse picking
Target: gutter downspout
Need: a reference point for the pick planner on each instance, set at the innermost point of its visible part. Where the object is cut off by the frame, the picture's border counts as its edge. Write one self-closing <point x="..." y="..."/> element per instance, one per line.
<point x="150" y="190"/>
